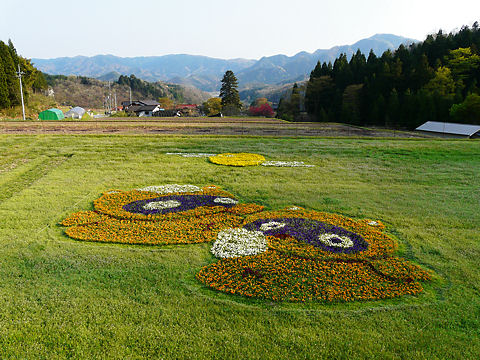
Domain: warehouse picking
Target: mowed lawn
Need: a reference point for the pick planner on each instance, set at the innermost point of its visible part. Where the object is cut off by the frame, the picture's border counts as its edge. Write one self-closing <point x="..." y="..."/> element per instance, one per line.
<point x="62" y="298"/>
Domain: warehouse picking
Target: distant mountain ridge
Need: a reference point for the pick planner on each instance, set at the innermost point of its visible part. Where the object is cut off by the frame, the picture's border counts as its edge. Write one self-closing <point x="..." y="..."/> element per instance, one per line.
<point x="205" y="72"/>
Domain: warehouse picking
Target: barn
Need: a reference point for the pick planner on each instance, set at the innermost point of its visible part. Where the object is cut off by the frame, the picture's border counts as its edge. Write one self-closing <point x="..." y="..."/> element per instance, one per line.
<point x="51" y="114"/>
<point x="453" y="130"/>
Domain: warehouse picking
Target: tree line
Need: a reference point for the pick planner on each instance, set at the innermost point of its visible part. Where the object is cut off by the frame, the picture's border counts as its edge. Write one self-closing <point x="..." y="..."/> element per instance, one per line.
<point x="32" y="79"/>
<point x="437" y="80"/>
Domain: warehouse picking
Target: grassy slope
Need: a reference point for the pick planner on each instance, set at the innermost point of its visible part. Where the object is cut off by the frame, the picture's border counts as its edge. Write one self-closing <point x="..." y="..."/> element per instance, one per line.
<point x="62" y="298"/>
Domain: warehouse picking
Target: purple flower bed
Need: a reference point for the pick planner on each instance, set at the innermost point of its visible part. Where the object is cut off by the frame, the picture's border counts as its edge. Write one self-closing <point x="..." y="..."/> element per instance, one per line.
<point x="310" y="232"/>
<point x="174" y="203"/>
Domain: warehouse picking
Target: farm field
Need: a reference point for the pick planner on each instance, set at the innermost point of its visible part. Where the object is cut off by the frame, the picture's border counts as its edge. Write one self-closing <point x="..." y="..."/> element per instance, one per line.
<point x="195" y="126"/>
<point x="63" y="298"/>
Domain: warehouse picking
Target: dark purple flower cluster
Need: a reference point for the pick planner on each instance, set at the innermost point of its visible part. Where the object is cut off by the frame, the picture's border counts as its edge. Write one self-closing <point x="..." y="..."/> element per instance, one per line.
<point x="186" y="202"/>
<point x="309" y="231"/>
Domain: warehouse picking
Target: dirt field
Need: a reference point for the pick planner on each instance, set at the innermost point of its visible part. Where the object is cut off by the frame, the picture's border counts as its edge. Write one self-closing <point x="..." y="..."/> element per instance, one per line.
<point x="195" y="126"/>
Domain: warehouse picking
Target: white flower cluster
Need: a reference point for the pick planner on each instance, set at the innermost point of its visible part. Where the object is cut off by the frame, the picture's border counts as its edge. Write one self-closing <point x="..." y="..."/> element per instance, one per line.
<point x="373" y="223"/>
<point x="286" y="164"/>
<point x="345" y="242"/>
<point x="171" y="188"/>
<point x="272" y="225"/>
<point x="294" y="208"/>
<point x="224" y="200"/>
<point x="192" y="155"/>
<point x="239" y="242"/>
<point x="159" y="205"/>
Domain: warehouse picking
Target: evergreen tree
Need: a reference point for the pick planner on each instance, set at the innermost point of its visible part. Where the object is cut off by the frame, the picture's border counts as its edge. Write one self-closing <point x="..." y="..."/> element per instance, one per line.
<point x="13" y="86"/>
<point x="4" y="100"/>
<point x="229" y="93"/>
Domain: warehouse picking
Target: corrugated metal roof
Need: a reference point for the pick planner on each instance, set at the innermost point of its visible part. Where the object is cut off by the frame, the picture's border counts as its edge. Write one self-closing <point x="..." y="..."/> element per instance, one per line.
<point x="449" y="128"/>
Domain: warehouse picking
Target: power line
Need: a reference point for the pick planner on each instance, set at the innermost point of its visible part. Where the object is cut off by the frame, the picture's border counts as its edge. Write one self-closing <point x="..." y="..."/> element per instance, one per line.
<point x="19" y="75"/>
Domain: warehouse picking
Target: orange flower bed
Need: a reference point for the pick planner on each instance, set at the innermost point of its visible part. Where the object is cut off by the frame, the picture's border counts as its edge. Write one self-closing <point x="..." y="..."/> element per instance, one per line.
<point x="280" y="277"/>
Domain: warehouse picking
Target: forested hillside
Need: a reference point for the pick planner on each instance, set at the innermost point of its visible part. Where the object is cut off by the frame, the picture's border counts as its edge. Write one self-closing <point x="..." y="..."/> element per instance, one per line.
<point x="32" y="79"/>
<point x="92" y="93"/>
<point x="437" y="79"/>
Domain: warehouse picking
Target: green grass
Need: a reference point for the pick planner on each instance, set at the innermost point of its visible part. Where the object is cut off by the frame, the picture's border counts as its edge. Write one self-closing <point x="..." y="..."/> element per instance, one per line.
<point x="61" y="298"/>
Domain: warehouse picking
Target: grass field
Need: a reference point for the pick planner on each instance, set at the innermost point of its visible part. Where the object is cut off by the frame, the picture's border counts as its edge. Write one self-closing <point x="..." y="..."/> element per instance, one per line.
<point x="61" y="298"/>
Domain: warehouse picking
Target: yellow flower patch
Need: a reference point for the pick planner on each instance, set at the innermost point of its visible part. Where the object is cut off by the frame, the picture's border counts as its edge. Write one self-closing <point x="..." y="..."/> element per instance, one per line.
<point x="237" y="159"/>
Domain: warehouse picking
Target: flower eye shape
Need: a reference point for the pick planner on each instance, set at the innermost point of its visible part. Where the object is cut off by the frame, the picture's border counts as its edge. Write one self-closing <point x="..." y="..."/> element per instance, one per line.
<point x="176" y="203"/>
<point x="272" y="225"/>
<point x="319" y="234"/>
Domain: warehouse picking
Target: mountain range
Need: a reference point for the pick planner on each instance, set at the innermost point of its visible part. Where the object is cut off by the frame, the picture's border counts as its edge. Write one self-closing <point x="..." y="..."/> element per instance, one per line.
<point x="205" y="72"/>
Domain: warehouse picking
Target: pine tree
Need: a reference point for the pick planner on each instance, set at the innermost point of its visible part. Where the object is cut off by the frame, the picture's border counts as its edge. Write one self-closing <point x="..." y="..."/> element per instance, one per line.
<point x="4" y="100"/>
<point x="9" y="69"/>
<point x="229" y="94"/>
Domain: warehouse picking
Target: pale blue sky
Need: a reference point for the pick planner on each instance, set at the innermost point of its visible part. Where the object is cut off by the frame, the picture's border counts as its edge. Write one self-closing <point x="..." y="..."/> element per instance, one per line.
<point x="217" y="28"/>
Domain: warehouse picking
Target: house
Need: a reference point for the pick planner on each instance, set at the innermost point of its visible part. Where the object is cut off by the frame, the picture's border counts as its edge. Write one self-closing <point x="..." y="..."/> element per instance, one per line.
<point x="144" y="110"/>
<point x="452" y="130"/>
<point x="127" y="104"/>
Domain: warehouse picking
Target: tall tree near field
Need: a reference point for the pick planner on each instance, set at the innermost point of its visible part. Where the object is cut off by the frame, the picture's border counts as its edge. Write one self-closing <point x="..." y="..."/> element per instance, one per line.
<point x="229" y="93"/>
<point x="4" y="100"/>
<point x="9" y="69"/>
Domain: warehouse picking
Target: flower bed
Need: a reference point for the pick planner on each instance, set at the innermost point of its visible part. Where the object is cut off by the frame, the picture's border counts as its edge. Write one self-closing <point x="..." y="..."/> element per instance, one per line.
<point x="192" y="155"/>
<point x="286" y="164"/>
<point x="149" y="216"/>
<point x="239" y="242"/>
<point x="311" y="256"/>
<point x="237" y="159"/>
<point x="280" y="277"/>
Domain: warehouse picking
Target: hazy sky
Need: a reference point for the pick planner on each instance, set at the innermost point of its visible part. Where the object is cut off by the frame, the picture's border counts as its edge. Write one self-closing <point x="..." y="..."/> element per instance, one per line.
<point x="217" y="28"/>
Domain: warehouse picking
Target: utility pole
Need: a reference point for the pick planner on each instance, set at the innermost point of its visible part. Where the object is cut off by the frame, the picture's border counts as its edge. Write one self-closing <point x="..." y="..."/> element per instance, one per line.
<point x="19" y="75"/>
<point x="129" y="88"/>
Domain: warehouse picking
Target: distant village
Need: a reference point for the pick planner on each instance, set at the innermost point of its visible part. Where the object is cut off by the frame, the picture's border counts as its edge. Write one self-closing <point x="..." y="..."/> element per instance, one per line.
<point x="134" y="108"/>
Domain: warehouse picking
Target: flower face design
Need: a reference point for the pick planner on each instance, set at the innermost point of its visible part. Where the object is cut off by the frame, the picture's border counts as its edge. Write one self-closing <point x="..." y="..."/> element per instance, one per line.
<point x="310" y="255"/>
<point x="189" y="215"/>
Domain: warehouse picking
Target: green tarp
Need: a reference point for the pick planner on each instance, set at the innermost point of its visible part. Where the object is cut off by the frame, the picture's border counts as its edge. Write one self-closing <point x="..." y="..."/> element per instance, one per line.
<point x="51" y="114"/>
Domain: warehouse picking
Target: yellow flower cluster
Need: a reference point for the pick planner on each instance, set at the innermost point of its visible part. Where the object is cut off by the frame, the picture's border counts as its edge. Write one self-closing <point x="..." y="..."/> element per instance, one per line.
<point x="237" y="159"/>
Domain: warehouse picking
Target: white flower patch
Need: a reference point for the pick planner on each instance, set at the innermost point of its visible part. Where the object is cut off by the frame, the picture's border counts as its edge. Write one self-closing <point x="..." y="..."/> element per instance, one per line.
<point x="272" y="225"/>
<point x="345" y="241"/>
<point x="294" y="208"/>
<point x="225" y="200"/>
<point x="193" y="155"/>
<point x="373" y="223"/>
<point x="171" y="188"/>
<point x="239" y="242"/>
<point x="160" y="205"/>
<point x="286" y="164"/>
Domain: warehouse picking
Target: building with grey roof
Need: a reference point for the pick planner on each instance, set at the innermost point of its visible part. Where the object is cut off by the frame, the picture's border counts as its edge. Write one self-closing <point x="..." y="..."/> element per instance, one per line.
<point x="453" y="130"/>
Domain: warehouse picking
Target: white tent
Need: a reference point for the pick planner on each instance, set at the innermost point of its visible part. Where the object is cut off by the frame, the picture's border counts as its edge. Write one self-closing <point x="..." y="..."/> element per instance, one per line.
<point x="75" y="113"/>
